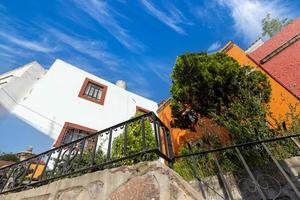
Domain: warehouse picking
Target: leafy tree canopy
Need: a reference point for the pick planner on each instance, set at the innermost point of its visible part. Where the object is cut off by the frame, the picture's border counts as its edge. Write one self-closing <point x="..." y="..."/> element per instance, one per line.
<point x="217" y="87"/>
<point x="9" y="157"/>
<point x="271" y="26"/>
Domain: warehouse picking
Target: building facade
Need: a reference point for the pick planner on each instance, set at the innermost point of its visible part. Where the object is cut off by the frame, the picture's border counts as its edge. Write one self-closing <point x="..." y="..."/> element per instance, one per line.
<point x="67" y="103"/>
<point x="279" y="59"/>
<point x="281" y="98"/>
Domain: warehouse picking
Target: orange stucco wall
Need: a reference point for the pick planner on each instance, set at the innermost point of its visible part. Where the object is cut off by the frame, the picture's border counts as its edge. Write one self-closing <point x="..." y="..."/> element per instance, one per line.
<point x="280" y="97"/>
<point x="182" y="136"/>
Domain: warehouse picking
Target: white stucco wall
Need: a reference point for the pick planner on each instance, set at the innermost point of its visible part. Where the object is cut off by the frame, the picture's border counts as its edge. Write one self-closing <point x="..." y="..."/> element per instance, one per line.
<point x="17" y="85"/>
<point x="54" y="101"/>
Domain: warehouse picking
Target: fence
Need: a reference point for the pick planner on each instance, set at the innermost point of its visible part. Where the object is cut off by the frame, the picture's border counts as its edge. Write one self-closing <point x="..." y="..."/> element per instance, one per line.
<point x="261" y="169"/>
<point x="253" y="170"/>
<point x="104" y="149"/>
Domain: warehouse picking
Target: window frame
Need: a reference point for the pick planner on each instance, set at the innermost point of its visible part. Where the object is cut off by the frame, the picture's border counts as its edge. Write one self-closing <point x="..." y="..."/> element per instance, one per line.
<point x="85" y="85"/>
<point x="141" y="109"/>
<point x="69" y="125"/>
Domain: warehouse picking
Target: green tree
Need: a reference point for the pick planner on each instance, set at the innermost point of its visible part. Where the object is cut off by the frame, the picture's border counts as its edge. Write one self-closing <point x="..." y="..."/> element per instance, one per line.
<point x="217" y="87"/>
<point x="134" y="141"/>
<point x="9" y="157"/>
<point x="271" y="26"/>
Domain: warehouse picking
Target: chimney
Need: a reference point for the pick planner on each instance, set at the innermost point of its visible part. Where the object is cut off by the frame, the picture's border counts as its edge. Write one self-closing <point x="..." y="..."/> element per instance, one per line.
<point x="121" y="84"/>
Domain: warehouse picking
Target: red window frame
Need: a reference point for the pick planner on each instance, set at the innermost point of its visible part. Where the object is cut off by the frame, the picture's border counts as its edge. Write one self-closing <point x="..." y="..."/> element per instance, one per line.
<point x="71" y="125"/>
<point x="142" y="110"/>
<point x="84" y="86"/>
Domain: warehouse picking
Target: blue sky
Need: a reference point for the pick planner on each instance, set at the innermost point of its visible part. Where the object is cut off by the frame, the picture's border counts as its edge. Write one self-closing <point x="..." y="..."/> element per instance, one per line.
<point x="133" y="40"/>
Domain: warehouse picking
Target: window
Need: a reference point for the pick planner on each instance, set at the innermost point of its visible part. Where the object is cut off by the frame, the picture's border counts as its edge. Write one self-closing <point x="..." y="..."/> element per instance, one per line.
<point x="93" y="91"/>
<point x="71" y="132"/>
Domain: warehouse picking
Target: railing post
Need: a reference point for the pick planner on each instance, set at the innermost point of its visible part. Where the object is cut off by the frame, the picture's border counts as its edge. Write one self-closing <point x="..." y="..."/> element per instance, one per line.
<point x="109" y="144"/>
<point x="125" y="139"/>
<point x="143" y="134"/>
<point x="155" y="129"/>
<point x="94" y="150"/>
<point x="226" y="187"/>
<point x="56" y="162"/>
<point x="159" y="137"/>
<point x="170" y="147"/>
<point x="46" y="164"/>
<point x="81" y="145"/>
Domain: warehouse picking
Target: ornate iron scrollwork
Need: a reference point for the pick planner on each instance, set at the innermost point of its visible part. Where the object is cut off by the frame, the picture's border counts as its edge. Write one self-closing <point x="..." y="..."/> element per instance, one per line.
<point x="268" y="184"/>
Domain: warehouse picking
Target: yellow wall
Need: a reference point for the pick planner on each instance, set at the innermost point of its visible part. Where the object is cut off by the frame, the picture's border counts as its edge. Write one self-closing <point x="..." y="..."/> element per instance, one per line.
<point x="38" y="172"/>
<point x="280" y="97"/>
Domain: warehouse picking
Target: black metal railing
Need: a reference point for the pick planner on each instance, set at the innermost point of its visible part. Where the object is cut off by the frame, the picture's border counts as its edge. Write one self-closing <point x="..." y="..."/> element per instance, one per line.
<point x="147" y="137"/>
<point x="260" y="169"/>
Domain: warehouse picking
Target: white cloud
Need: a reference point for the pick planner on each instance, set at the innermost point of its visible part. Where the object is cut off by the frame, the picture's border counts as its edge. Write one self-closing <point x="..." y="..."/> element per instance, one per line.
<point x="92" y="48"/>
<point x="101" y="12"/>
<point x="38" y="46"/>
<point x="172" y="18"/>
<point x="214" y="46"/>
<point x="247" y="14"/>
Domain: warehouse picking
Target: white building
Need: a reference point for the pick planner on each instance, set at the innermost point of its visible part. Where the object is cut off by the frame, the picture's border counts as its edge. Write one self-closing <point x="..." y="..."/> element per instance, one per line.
<point x="66" y="99"/>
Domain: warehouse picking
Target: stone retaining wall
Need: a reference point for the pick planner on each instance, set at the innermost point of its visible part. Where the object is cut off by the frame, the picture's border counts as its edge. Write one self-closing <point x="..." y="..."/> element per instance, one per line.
<point x="148" y="180"/>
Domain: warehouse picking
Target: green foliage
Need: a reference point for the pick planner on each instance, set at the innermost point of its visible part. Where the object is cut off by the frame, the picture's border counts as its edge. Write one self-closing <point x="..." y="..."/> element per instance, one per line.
<point x="86" y="158"/>
<point x="271" y="26"/>
<point x="9" y="157"/>
<point x="204" y="165"/>
<point x="288" y="125"/>
<point x="134" y="141"/>
<point x="217" y="87"/>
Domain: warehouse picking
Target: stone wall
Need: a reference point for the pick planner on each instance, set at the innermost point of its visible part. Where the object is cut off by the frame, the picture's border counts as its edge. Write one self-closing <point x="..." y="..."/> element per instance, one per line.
<point x="148" y="180"/>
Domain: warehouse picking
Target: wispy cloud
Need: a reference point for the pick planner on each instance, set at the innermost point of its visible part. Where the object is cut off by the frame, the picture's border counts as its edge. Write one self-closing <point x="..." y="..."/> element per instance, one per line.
<point x="101" y="12"/>
<point x="172" y="17"/>
<point x="92" y="48"/>
<point x="158" y="68"/>
<point x="139" y="84"/>
<point x="214" y="46"/>
<point x="33" y="45"/>
<point x="247" y="14"/>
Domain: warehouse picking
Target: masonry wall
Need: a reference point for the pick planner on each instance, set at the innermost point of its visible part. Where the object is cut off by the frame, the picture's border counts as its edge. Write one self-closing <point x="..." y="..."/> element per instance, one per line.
<point x="144" y="181"/>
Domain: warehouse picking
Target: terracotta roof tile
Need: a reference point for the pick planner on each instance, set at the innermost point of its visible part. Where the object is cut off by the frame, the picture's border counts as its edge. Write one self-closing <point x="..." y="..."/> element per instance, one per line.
<point x="284" y="66"/>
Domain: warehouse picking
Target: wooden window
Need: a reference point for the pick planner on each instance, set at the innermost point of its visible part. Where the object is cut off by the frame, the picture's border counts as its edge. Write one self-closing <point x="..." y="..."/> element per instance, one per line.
<point x="71" y="132"/>
<point x="93" y="91"/>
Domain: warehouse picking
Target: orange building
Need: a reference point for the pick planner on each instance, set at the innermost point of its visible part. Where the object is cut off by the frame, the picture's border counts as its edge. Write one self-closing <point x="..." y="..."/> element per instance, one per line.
<point x="184" y="136"/>
<point x="281" y="98"/>
<point x="279" y="59"/>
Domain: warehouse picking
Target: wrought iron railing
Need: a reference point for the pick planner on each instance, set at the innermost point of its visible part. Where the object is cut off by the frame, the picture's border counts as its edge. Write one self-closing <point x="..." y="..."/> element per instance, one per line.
<point x="255" y="170"/>
<point x="147" y="137"/>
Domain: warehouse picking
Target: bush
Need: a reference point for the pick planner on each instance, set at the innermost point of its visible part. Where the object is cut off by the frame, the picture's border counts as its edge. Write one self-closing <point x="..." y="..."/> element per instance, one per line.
<point x="134" y="142"/>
